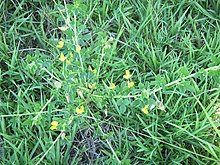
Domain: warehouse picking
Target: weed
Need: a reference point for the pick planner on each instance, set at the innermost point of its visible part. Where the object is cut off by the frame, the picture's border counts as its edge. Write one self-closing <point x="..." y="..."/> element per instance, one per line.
<point x="109" y="82"/>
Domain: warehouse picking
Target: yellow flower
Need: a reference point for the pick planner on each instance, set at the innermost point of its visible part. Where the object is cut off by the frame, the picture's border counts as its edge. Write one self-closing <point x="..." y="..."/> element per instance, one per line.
<point x="60" y="44"/>
<point x="63" y="28"/>
<point x="68" y="62"/>
<point x="130" y="84"/>
<point x="78" y="48"/>
<point x="91" y="86"/>
<point x="62" y="57"/>
<point x="80" y="109"/>
<point x="112" y="86"/>
<point x="145" y="109"/>
<point x="127" y="74"/>
<point x="54" y="125"/>
<point x="93" y="70"/>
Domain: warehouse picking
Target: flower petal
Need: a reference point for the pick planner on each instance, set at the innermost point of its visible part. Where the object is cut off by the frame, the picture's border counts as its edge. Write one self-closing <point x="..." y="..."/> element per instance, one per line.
<point x="130" y="84"/>
<point x="62" y="57"/>
<point x="60" y="44"/>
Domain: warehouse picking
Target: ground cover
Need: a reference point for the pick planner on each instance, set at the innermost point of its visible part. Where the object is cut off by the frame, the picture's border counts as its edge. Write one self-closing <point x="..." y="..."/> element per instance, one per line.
<point x="109" y="82"/>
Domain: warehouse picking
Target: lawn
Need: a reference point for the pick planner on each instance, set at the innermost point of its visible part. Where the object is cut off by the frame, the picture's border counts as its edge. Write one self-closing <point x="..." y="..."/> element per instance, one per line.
<point x="109" y="82"/>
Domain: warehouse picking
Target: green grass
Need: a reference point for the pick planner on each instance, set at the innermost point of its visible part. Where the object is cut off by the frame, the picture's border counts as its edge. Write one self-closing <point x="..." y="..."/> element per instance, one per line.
<point x="171" y="49"/>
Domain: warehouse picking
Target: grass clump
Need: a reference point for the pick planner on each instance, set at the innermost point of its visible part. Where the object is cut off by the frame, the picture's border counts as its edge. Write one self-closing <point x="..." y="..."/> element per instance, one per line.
<point x="109" y="82"/>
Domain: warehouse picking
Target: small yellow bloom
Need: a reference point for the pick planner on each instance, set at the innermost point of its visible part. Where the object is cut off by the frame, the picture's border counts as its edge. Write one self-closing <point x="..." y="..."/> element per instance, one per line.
<point x="145" y="109"/>
<point x="62" y="57"/>
<point x="93" y="70"/>
<point x="112" y="86"/>
<point x="91" y="86"/>
<point x="130" y="84"/>
<point x="78" y="48"/>
<point x="68" y="62"/>
<point x="60" y="44"/>
<point x="127" y="74"/>
<point x="80" y="109"/>
<point x="54" y="125"/>
<point x="63" y="28"/>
